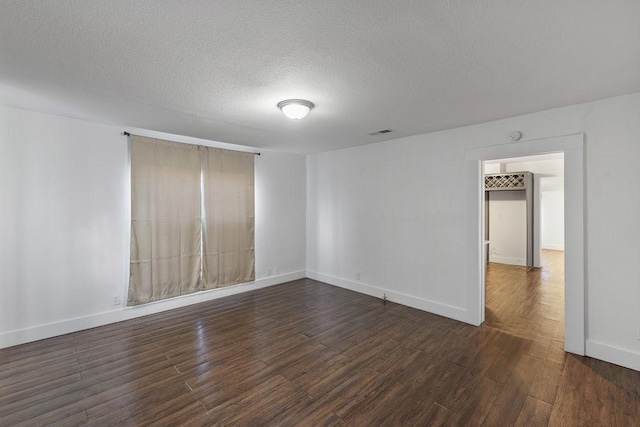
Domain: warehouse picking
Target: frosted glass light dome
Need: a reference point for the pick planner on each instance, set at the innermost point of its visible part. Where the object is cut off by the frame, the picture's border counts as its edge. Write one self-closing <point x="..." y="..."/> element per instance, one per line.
<point x="295" y="109"/>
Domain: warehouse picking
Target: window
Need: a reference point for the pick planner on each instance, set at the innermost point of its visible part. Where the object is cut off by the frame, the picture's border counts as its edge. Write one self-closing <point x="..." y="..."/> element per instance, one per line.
<point x="192" y="219"/>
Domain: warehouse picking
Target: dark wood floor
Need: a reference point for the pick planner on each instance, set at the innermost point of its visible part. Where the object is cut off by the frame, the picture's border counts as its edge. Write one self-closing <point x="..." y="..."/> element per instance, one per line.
<point x="306" y="353"/>
<point x="529" y="304"/>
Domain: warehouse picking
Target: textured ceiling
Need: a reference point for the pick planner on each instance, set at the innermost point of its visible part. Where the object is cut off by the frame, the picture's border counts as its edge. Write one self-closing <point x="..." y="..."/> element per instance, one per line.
<point x="216" y="69"/>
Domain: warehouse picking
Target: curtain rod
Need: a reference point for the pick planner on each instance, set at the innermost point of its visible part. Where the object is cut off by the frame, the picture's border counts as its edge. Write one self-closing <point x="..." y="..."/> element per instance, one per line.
<point x="125" y="133"/>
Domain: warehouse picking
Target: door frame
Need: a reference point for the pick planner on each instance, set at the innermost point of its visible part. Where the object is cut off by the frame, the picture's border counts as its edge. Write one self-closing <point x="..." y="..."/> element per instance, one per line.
<point x="574" y="221"/>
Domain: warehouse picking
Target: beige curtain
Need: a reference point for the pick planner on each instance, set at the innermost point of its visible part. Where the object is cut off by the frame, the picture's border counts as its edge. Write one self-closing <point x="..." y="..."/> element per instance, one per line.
<point x="228" y="230"/>
<point x="165" y="220"/>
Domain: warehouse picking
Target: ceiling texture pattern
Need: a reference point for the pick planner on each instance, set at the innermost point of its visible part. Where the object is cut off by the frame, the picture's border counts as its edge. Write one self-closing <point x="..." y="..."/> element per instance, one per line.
<point x="217" y="69"/>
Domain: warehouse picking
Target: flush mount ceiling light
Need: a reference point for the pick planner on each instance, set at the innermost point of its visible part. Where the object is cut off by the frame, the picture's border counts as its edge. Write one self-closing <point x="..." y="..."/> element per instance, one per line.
<point x="295" y="109"/>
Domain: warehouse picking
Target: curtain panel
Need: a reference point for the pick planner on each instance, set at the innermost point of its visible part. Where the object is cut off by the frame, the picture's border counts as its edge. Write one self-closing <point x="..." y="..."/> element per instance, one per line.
<point x="165" y="220"/>
<point x="186" y="198"/>
<point x="228" y="225"/>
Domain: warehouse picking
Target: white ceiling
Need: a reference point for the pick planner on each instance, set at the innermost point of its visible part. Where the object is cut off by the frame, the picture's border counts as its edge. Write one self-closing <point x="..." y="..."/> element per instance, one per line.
<point x="216" y="69"/>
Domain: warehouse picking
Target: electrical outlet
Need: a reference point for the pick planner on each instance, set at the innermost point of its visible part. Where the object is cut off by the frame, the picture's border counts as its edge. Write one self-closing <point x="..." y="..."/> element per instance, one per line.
<point x="116" y="300"/>
<point x="638" y="333"/>
<point x="275" y="270"/>
<point x="269" y="271"/>
<point x="357" y="275"/>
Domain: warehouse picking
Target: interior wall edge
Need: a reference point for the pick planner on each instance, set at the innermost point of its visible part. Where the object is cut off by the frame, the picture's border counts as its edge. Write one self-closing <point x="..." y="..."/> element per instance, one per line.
<point x="449" y="311"/>
<point x="612" y="354"/>
<point x="49" y="330"/>
<point x="508" y="260"/>
<point x="552" y="247"/>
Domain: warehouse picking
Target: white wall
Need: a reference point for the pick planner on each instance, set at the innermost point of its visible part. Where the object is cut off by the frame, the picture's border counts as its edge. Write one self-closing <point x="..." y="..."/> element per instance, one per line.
<point x="508" y="227"/>
<point x="281" y="190"/>
<point x="64" y="224"/>
<point x="552" y="220"/>
<point x="63" y="193"/>
<point x="550" y="167"/>
<point x="490" y="168"/>
<point x="551" y="174"/>
<point x="507" y="245"/>
<point x="394" y="212"/>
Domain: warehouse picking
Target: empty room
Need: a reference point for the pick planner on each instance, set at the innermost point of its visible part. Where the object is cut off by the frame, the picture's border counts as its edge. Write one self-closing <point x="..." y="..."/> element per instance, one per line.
<point x="273" y="213"/>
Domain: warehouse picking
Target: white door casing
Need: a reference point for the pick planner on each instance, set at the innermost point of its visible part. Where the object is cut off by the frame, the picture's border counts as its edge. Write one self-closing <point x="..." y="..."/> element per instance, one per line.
<point x="575" y="274"/>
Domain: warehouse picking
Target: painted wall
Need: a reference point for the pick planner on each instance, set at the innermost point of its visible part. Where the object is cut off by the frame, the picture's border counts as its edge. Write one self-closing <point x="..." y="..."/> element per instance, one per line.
<point x="395" y="213"/>
<point x="508" y="227"/>
<point x="64" y="224"/>
<point x="508" y="243"/>
<point x="548" y="167"/>
<point x="491" y="168"/>
<point x="280" y="236"/>
<point x="552" y="198"/>
<point x="552" y="220"/>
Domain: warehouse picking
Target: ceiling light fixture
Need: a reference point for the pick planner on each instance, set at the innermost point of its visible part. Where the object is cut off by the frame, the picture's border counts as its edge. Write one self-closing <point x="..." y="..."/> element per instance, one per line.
<point x="295" y="109"/>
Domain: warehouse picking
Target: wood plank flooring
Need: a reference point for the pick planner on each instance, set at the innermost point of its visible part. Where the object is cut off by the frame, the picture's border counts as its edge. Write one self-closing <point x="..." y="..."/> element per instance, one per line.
<point x="306" y="353"/>
<point x="529" y="304"/>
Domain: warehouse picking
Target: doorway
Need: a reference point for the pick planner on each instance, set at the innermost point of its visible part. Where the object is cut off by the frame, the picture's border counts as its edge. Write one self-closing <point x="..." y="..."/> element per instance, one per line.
<point x="524" y="238"/>
<point x="574" y="290"/>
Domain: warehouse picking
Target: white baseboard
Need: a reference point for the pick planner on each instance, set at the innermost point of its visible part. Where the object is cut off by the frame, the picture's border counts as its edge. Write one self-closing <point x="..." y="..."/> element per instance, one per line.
<point x="507" y="260"/>
<point x="552" y="247"/>
<point x="440" y="309"/>
<point x="21" y="336"/>
<point x="616" y="355"/>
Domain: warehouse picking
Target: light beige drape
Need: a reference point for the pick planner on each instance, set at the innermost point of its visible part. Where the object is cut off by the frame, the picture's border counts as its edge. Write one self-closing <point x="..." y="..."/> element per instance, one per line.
<point x="165" y="220"/>
<point x="192" y="219"/>
<point x="228" y="183"/>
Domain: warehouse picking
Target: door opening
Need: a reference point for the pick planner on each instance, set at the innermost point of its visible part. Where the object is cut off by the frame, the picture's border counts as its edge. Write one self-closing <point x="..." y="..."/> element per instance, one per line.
<point x="524" y="243"/>
<point x="574" y="260"/>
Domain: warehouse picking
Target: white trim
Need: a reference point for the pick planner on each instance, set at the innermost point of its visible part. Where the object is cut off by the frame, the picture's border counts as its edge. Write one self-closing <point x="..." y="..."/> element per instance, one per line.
<point x="507" y="260"/>
<point x="575" y="276"/>
<point x="553" y="247"/>
<point x="619" y="356"/>
<point x="35" y="333"/>
<point x="440" y="309"/>
<point x="527" y="148"/>
<point x="537" y="221"/>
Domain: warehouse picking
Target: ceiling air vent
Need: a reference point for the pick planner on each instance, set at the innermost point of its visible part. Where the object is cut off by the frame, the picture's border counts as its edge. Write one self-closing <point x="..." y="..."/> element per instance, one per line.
<point x="380" y="132"/>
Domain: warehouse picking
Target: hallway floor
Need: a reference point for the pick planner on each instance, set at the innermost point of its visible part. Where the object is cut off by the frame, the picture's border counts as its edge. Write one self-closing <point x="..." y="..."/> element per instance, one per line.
<point x="529" y="304"/>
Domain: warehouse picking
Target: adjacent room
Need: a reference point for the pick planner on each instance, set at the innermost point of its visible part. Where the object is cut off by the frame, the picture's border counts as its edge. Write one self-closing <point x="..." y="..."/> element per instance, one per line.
<point x="319" y="213"/>
<point x="524" y="242"/>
